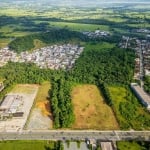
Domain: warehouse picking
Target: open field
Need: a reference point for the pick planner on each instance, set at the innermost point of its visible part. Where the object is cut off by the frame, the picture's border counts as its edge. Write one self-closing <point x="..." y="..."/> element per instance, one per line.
<point x="101" y="46"/>
<point x="26" y="145"/>
<point x="129" y="112"/>
<point x="79" y="26"/>
<point x="41" y="115"/>
<point x="91" y="112"/>
<point x="4" y="42"/>
<point x="38" y="44"/>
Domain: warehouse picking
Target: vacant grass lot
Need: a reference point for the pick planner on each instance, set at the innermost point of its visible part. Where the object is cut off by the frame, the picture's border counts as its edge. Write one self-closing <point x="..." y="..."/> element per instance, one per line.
<point x="4" y="42"/>
<point x="129" y="112"/>
<point x="26" y="145"/>
<point x="90" y="109"/>
<point x="38" y="44"/>
<point x="24" y="88"/>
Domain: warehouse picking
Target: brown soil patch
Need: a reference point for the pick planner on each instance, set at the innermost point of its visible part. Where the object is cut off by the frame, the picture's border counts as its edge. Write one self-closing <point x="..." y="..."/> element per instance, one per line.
<point x="90" y="109"/>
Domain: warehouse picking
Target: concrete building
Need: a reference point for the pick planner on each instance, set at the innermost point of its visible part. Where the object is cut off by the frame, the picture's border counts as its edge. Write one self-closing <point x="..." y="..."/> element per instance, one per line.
<point x="11" y="105"/>
<point x="141" y="95"/>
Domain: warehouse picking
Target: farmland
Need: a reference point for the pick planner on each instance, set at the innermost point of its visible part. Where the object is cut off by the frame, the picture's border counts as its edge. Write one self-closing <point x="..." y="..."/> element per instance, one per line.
<point x="90" y="109"/>
<point x="18" y="22"/>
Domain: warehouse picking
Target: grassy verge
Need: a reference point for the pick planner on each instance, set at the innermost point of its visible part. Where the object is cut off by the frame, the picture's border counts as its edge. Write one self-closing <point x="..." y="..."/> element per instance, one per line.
<point x="90" y="109"/>
<point x="27" y="145"/>
<point x="131" y="146"/>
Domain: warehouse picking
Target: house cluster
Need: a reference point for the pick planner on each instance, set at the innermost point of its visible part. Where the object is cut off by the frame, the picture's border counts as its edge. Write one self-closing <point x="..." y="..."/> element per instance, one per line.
<point x="7" y="55"/>
<point x="53" y="57"/>
<point x="143" y="30"/>
<point x="142" y="49"/>
<point x="96" y="34"/>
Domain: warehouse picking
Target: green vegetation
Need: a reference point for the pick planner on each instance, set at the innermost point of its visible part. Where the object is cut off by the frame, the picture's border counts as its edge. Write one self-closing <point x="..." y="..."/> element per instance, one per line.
<point x="4" y="42"/>
<point x="108" y="65"/>
<point x="42" y="94"/>
<point x="61" y="102"/>
<point x="38" y="44"/>
<point x="31" y="145"/>
<point x="133" y="145"/>
<point x="53" y="36"/>
<point x="147" y="83"/>
<point x="79" y="26"/>
<point x="128" y="110"/>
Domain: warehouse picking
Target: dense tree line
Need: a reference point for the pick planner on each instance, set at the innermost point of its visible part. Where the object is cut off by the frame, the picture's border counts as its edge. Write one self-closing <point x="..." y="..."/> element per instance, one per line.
<point x="106" y="93"/>
<point x="24" y="73"/>
<point x="61" y="102"/>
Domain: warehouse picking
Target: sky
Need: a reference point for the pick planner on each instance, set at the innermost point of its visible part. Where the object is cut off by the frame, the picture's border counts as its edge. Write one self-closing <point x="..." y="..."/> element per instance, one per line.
<point x="73" y="2"/>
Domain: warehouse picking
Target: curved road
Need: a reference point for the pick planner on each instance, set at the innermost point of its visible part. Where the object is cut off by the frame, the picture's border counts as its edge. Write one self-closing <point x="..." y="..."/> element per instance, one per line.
<point x="76" y="135"/>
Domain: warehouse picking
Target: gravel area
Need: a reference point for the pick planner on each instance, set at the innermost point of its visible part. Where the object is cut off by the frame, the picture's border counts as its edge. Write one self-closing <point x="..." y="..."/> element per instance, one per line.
<point x="38" y="122"/>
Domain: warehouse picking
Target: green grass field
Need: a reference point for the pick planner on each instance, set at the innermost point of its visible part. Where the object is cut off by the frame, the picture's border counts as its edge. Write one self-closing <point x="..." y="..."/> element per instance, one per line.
<point x="79" y="26"/>
<point x="4" y="42"/>
<point x="130" y="146"/>
<point x="99" y="46"/>
<point x="26" y="145"/>
<point x="129" y="112"/>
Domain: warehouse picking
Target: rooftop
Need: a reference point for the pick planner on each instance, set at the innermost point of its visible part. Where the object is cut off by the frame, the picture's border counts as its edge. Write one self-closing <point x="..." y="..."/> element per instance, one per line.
<point x="141" y="92"/>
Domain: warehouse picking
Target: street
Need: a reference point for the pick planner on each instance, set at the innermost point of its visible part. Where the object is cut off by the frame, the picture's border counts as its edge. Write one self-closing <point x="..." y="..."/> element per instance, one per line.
<point x="76" y="135"/>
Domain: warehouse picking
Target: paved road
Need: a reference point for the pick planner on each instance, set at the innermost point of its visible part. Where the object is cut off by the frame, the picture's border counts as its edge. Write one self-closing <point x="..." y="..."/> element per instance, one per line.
<point x="76" y="135"/>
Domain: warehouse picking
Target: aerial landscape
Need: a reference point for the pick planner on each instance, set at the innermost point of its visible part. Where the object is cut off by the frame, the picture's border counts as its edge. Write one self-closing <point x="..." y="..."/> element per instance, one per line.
<point x="74" y="75"/>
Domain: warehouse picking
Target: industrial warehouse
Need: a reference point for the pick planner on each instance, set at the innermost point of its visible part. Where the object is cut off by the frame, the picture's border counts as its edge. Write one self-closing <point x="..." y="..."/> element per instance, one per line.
<point x="16" y="106"/>
<point x="11" y="107"/>
<point x="141" y="95"/>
